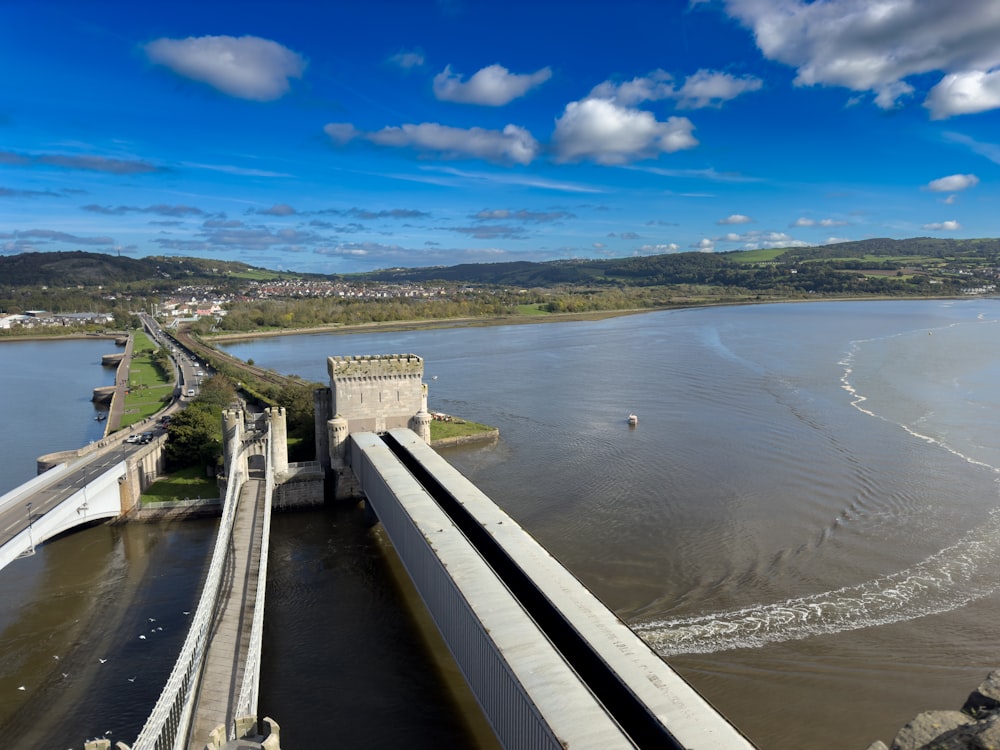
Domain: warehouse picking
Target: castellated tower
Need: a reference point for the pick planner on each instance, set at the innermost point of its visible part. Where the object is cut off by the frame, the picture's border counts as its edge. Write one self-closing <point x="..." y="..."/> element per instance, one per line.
<point x="374" y="393"/>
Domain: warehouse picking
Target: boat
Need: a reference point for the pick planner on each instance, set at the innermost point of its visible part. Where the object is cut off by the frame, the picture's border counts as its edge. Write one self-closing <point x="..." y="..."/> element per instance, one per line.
<point x="101" y="417"/>
<point x="633" y="419"/>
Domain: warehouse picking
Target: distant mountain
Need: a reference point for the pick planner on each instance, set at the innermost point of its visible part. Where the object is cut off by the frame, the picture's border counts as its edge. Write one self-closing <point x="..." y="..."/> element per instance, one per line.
<point x="691" y="267"/>
<point x="158" y="273"/>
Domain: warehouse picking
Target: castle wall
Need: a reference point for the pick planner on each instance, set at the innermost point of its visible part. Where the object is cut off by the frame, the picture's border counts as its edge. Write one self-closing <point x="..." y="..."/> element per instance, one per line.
<point x="376" y="393"/>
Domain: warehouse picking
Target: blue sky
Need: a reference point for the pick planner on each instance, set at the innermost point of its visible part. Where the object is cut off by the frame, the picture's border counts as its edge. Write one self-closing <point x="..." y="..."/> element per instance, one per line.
<point x="339" y="137"/>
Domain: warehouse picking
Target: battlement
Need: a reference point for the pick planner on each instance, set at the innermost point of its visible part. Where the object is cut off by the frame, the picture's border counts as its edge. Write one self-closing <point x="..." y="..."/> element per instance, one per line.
<point x="375" y="366"/>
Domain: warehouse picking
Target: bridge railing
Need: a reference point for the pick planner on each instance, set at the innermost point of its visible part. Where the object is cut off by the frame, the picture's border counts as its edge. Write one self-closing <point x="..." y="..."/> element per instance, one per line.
<point x="169" y="722"/>
<point x="247" y="703"/>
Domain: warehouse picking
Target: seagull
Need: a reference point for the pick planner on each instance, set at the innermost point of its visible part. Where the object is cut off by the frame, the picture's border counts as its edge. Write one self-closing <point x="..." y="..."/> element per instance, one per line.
<point x="142" y="637"/>
<point x="65" y="675"/>
<point x="55" y="657"/>
<point x="185" y="613"/>
<point x="101" y="660"/>
<point x="152" y="619"/>
<point x="22" y="688"/>
<point x="131" y="679"/>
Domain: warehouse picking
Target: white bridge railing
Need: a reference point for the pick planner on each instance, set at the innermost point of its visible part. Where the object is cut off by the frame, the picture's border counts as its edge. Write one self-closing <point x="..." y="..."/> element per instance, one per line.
<point x="169" y="722"/>
<point x="247" y="703"/>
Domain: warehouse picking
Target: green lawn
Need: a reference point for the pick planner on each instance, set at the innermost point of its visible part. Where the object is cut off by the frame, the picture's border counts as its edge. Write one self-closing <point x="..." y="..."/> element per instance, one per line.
<point x="185" y="484"/>
<point x="149" y="387"/>
<point x="456" y="428"/>
<point x="532" y="309"/>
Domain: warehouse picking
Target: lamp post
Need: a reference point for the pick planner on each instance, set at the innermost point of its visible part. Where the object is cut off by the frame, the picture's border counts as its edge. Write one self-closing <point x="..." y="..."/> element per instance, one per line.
<point x="30" y="540"/>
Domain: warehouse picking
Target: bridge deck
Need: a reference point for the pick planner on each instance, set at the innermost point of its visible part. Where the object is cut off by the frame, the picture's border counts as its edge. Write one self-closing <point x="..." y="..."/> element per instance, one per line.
<point x="227" y="648"/>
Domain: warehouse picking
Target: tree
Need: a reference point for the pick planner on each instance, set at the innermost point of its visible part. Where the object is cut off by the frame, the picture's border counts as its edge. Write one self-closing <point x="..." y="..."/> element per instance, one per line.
<point x="195" y="436"/>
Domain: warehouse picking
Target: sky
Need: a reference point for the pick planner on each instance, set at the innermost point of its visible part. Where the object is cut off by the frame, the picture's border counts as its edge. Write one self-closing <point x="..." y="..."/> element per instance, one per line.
<point x="340" y="137"/>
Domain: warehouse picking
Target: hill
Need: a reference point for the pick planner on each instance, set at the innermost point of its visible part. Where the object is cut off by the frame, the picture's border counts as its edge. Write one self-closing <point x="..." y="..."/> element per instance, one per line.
<point x="80" y="268"/>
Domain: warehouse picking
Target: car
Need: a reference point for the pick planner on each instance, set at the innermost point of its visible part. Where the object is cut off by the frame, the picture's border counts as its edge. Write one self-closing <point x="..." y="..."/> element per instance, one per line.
<point x="146" y="437"/>
<point x="190" y="391"/>
<point x="132" y="439"/>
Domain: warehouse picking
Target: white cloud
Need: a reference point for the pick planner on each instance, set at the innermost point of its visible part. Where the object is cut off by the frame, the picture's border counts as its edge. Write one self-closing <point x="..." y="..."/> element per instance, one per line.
<point x="708" y="88"/>
<point x="704" y="245"/>
<point x="407" y="60"/>
<point x="943" y="226"/>
<point x="492" y="86"/>
<point x="607" y="133"/>
<point x="657" y="85"/>
<point x="735" y="219"/>
<point x="953" y="183"/>
<point x="661" y="249"/>
<point x="341" y="132"/>
<point x="512" y="144"/>
<point x="247" y="67"/>
<point x="805" y="221"/>
<point x="964" y="93"/>
<point x="875" y="45"/>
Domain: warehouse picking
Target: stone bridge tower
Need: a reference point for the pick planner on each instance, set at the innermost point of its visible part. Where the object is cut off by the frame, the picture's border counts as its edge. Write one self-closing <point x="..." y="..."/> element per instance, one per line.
<point x="371" y="393"/>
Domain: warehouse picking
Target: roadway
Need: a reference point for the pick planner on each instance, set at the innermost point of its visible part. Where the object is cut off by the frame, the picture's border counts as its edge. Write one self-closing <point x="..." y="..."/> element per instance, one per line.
<point x="14" y="516"/>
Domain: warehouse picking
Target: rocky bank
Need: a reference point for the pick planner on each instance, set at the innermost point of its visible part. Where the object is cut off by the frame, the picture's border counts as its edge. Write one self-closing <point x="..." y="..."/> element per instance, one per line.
<point x="975" y="727"/>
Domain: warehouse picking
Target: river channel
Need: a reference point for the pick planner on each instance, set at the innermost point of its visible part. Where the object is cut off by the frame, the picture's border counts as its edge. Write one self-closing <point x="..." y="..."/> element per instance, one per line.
<point x="803" y="523"/>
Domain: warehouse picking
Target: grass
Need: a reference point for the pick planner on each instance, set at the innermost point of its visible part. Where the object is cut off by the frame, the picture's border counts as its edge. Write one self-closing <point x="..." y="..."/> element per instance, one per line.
<point x="532" y="309"/>
<point x="149" y="387"/>
<point x="185" y="484"/>
<point x="456" y="428"/>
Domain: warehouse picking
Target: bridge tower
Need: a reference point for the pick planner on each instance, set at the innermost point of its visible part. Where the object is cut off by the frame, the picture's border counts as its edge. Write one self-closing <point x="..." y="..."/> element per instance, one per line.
<point x="369" y="393"/>
<point x="279" y="439"/>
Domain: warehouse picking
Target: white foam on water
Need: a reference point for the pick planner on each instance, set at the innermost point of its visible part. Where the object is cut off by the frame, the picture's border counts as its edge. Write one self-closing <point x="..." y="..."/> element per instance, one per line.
<point x="944" y="581"/>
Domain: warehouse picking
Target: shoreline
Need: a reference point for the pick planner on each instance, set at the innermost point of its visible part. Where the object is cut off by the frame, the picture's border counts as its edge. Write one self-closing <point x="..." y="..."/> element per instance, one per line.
<point x="478" y="322"/>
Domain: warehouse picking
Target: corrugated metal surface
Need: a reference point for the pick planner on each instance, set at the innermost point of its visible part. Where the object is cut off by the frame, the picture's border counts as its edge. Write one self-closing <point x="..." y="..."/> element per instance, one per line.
<point x="527" y="691"/>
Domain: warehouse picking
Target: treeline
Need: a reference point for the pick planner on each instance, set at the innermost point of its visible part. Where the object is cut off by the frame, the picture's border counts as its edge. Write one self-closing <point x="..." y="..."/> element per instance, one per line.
<point x="309" y="313"/>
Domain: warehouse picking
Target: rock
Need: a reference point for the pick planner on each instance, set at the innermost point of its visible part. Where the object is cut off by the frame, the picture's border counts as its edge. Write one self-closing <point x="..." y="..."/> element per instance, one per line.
<point x="878" y="745"/>
<point x="929" y="727"/>
<point x="986" y="697"/>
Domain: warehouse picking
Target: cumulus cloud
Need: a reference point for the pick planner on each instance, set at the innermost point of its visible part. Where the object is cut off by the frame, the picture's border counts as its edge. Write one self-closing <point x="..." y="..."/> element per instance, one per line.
<point x="658" y="85"/>
<point x="943" y="226"/>
<point x="512" y="144"/>
<point x="735" y="219"/>
<point x="605" y="132"/>
<point x="708" y="88"/>
<point x="875" y="45"/>
<point x="964" y="93"/>
<point x="953" y="183"/>
<point x="492" y="86"/>
<point x="670" y="247"/>
<point x="246" y="67"/>
<point x="704" y="245"/>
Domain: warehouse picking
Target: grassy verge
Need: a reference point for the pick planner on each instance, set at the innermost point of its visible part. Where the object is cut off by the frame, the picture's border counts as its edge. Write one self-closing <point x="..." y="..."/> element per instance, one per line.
<point x="456" y="428"/>
<point x="149" y="387"/>
<point x="185" y="484"/>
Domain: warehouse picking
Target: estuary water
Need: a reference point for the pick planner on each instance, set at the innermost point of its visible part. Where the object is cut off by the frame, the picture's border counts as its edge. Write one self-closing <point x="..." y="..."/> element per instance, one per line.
<point x="803" y="523"/>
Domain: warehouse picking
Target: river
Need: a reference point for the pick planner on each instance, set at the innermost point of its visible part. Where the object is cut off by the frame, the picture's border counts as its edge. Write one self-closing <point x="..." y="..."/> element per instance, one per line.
<point x="803" y="522"/>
